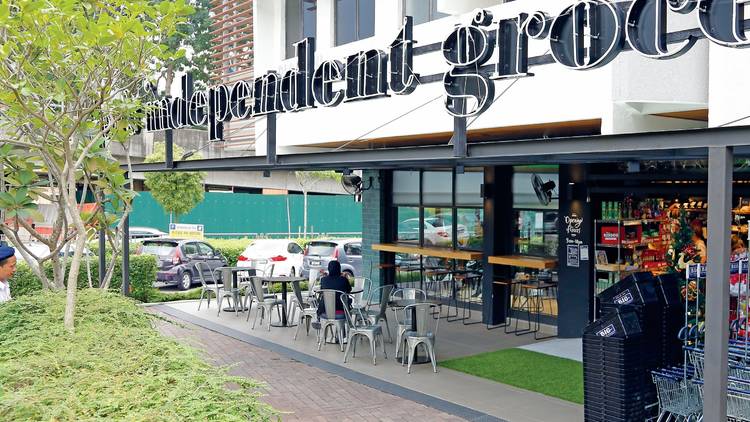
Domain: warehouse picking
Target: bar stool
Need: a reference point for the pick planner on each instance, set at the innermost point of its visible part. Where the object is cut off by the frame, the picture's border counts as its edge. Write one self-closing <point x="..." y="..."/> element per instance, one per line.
<point x="528" y="304"/>
<point x="546" y="290"/>
<point x="467" y="280"/>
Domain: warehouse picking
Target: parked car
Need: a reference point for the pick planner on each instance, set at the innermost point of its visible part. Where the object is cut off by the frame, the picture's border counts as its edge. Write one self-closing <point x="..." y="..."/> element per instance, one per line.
<point x="347" y="251"/>
<point x="142" y="233"/>
<point x="176" y="259"/>
<point x="438" y="231"/>
<point x="41" y="250"/>
<point x="284" y="255"/>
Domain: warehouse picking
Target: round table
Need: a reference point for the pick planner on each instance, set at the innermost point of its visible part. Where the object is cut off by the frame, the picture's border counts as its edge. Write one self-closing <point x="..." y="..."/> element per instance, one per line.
<point x="403" y="303"/>
<point x="283" y="280"/>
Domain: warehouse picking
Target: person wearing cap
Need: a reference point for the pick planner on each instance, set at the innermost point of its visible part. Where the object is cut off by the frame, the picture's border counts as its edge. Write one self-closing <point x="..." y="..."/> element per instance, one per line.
<point x="7" y="269"/>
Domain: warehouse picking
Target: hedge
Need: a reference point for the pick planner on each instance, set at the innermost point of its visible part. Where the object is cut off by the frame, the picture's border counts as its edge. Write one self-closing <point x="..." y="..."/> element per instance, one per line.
<point x="115" y="366"/>
<point x="142" y="276"/>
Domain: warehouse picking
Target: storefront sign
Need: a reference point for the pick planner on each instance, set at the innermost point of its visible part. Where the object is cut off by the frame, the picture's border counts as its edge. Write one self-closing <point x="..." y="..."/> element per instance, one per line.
<point x="586" y="35"/>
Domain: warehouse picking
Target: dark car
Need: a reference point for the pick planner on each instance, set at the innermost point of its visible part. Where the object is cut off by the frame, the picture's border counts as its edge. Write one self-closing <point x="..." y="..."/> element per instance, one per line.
<point x="176" y="259"/>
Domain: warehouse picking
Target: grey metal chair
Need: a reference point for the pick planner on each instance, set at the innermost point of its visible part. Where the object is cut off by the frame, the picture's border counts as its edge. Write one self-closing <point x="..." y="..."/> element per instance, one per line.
<point x="359" y="300"/>
<point x="218" y="289"/>
<point x="404" y="324"/>
<point x="308" y="309"/>
<point x="329" y="321"/>
<point x="425" y="333"/>
<point x="207" y="289"/>
<point x="380" y="313"/>
<point x="357" y="327"/>
<point x="265" y="305"/>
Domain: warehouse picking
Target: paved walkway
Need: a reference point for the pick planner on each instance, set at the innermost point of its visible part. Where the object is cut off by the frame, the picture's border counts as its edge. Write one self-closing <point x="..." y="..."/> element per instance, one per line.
<point x="301" y="391"/>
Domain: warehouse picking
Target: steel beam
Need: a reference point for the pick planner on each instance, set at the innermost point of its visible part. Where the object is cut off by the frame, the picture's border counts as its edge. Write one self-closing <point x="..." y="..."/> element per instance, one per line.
<point x="667" y="145"/>
<point x="720" y="164"/>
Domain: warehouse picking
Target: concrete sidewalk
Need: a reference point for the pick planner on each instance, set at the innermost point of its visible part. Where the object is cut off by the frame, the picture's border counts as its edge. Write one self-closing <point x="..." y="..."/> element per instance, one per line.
<point x="463" y="391"/>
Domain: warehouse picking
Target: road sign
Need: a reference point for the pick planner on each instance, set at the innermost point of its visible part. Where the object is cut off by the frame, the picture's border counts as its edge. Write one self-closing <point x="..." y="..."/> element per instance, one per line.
<point x="186" y="231"/>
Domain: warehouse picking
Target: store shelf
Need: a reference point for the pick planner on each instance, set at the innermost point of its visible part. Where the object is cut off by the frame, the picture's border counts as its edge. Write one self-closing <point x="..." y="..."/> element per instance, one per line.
<point x="631" y="222"/>
<point x="615" y="268"/>
<point x="523" y="261"/>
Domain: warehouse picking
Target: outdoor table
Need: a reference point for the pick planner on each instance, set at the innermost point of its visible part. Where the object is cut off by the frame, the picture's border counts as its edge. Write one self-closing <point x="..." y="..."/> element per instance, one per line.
<point x="403" y="303"/>
<point x="229" y="278"/>
<point x="283" y="281"/>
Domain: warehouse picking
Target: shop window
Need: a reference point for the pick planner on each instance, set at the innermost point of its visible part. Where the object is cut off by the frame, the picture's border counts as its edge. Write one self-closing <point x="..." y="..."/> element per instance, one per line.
<point x="300" y="22"/>
<point x="525" y="197"/>
<point x="536" y="232"/>
<point x="438" y="227"/>
<point x="355" y="20"/>
<point x="408" y="227"/>
<point x="470" y="229"/>
<point x="437" y="188"/>
<point x="469" y="188"/>
<point x="406" y="188"/>
<point x="422" y="10"/>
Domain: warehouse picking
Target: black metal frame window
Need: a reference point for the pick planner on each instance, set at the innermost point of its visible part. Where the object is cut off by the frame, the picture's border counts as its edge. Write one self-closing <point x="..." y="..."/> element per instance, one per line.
<point x="422" y="10"/>
<point x="355" y="20"/>
<point x="300" y="22"/>
<point x="439" y="208"/>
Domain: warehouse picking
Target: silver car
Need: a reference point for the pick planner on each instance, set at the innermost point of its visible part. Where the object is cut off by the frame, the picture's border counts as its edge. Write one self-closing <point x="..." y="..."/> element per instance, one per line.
<point x="319" y="253"/>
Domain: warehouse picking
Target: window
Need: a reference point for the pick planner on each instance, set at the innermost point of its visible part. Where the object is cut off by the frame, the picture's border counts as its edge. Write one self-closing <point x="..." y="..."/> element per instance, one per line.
<point x="190" y="249"/>
<point x="469" y="187"/>
<point x="294" y="248"/>
<point x="355" y="20"/>
<point x="422" y="10"/>
<point x="205" y="249"/>
<point x="300" y="21"/>
<point x="470" y="229"/>
<point x="536" y="232"/>
<point x="406" y="187"/>
<point x="407" y="230"/>
<point x="353" y="249"/>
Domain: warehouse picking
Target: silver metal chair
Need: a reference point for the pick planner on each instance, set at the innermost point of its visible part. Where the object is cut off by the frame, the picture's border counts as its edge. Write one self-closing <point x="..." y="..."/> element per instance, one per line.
<point x="380" y="313"/>
<point x="357" y="328"/>
<point x="308" y="309"/>
<point x="207" y="289"/>
<point x="265" y="305"/>
<point x="425" y="333"/>
<point x="404" y="324"/>
<point x="219" y="289"/>
<point x="329" y="321"/>
<point x="359" y="300"/>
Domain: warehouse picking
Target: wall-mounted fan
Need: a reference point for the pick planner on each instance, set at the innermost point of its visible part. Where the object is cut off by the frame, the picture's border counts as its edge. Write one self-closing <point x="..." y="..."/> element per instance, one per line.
<point x="543" y="189"/>
<point x="353" y="184"/>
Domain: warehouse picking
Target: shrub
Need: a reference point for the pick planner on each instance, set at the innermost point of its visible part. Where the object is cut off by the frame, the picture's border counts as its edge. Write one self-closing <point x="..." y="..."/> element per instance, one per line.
<point x="115" y="366"/>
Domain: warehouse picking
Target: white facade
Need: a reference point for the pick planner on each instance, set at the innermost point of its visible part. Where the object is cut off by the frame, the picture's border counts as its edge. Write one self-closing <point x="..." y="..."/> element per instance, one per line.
<point x="627" y="95"/>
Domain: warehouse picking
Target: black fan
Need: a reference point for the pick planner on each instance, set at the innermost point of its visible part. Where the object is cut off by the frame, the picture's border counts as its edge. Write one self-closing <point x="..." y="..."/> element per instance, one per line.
<point x="352" y="184"/>
<point x="543" y="190"/>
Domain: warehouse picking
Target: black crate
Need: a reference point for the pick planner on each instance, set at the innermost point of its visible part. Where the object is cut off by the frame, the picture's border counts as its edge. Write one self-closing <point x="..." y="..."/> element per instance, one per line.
<point x="635" y="289"/>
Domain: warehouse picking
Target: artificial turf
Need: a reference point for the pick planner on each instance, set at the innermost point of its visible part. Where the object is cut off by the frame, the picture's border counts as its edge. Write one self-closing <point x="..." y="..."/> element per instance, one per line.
<point x="548" y="375"/>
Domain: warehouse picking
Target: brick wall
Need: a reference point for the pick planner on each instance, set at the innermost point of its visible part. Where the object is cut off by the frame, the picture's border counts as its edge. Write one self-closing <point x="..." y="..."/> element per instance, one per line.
<point x="373" y="220"/>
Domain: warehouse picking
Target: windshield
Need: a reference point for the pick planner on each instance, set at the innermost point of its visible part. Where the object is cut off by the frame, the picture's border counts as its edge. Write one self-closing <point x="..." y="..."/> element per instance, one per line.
<point x="321" y="248"/>
<point x="158" y="248"/>
<point x="261" y="248"/>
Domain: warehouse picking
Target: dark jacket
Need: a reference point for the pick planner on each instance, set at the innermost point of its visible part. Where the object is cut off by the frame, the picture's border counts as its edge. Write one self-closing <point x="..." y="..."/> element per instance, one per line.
<point x="334" y="281"/>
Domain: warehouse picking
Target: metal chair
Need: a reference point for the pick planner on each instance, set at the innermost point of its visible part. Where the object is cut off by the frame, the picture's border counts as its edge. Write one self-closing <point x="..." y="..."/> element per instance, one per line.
<point x="357" y="328"/>
<point x="424" y="334"/>
<point x="359" y="300"/>
<point x="206" y="288"/>
<point x="219" y="289"/>
<point x="265" y="305"/>
<point x="403" y="325"/>
<point x="328" y="320"/>
<point x="380" y="313"/>
<point x="308" y="312"/>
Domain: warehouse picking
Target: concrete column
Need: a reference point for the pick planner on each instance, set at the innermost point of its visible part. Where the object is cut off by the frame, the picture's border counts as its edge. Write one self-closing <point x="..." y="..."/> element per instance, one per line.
<point x="720" y="161"/>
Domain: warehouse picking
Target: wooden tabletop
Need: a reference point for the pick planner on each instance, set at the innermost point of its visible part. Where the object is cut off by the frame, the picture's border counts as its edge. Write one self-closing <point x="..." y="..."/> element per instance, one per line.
<point x="524" y="261"/>
<point x="428" y="251"/>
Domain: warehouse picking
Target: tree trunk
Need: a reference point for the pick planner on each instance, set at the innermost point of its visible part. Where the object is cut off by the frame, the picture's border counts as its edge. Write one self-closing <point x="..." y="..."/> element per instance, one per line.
<point x="70" y="301"/>
<point x="169" y="77"/>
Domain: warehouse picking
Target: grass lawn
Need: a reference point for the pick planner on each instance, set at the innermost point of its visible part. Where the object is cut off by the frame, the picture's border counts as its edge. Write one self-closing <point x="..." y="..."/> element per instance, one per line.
<point x="549" y="375"/>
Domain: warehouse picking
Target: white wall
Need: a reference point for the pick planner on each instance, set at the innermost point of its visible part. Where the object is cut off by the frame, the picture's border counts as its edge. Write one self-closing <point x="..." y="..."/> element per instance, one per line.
<point x="624" y="94"/>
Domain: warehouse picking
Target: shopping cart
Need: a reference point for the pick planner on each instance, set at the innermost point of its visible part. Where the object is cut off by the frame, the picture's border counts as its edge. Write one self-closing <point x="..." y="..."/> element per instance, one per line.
<point x="679" y="398"/>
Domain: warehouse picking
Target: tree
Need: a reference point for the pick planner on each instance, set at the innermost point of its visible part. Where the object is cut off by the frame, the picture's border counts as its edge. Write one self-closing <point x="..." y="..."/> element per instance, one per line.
<point x="176" y="192"/>
<point x="193" y="36"/>
<point x="70" y="72"/>
<point x="307" y="180"/>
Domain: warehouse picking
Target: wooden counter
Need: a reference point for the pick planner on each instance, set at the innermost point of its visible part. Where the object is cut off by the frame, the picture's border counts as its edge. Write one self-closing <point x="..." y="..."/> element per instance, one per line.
<point x="524" y="261"/>
<point x="425" y="251"/>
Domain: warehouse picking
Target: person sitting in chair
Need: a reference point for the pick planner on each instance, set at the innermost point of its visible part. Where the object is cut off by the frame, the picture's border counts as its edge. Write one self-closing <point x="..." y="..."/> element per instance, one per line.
<point x="334" y="281"/>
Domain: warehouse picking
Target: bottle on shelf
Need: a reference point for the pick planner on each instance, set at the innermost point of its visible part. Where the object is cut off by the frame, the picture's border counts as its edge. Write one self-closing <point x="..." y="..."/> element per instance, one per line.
<point x="605" y="210"/>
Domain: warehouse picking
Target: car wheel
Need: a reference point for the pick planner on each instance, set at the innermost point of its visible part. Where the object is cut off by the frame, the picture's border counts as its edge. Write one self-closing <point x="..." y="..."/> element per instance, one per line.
<point x="186" y="281"/>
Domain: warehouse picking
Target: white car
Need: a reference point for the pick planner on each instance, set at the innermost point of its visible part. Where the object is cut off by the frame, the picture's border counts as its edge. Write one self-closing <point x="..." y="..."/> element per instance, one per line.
<point x="142" y="233"/>
<point x="41" y="250"/>
<point x="284" y="255"/>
